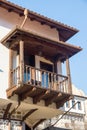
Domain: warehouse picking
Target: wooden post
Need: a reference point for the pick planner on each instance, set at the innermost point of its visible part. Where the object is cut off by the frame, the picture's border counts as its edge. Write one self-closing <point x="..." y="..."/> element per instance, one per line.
<point x="18" y="69"/>
<point x="9" y="125"/>
<point x="59" y="78"/>
<point x="10" y="68"/>
<point x="69" y="76"/>
<point x="59" y="68"/>
<point x="21" y="61"/>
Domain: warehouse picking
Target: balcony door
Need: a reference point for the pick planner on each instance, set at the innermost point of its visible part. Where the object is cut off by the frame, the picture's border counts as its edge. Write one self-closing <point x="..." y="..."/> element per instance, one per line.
<point x="29" y="62"/>
<point x="46" y="76"/>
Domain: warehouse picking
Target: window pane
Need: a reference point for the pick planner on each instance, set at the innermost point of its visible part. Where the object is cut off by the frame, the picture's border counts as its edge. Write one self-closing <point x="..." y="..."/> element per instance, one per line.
<point x="79" y="105"/>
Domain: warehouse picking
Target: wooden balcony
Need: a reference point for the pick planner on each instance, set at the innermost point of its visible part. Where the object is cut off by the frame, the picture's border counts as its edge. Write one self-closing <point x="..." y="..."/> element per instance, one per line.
<point x="39" y="85"/>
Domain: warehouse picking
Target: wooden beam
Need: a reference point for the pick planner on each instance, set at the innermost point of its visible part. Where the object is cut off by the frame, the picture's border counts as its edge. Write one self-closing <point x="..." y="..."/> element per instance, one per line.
<point x="10" y="10"/>
<point x="28" y="114"/>
<point x="7" y="110"/>
<point x="26" y="94"/>
<point x="61" y="102"/>
<point x="64" y="50"/>
<point x="51" y="99"/>
<point x="40" y="96"/>
<point x="69" y="76"/>
<point x="40" y="121"/>
<point x="10" y="81"/>
<point x="14" y="110"/>
<point x="21" y="62"/>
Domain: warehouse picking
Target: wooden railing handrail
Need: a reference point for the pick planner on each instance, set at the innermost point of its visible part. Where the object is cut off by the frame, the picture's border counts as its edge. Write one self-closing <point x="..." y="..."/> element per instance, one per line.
<point x="47" y="71"/>
<point x="45" y="78"/>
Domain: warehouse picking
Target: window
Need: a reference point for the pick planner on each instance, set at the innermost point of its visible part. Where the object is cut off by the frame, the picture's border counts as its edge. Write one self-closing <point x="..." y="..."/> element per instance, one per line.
<point x="73" y="102"/>
<point x="67" y="104"/>
<point x="79" y="105"/>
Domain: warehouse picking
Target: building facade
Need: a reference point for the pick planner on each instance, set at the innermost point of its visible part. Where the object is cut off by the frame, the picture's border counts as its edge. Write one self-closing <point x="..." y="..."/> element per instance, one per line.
<point x="75" y="117"/>
<point x="33" y="49"/>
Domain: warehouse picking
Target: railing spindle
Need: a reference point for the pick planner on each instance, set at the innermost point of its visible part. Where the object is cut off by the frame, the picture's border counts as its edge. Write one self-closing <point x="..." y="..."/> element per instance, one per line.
<point x="43" y="78"/>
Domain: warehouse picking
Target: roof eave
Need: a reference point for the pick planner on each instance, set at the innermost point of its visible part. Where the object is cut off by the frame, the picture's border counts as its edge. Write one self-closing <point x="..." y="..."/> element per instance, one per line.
<point x="32" y="15"/>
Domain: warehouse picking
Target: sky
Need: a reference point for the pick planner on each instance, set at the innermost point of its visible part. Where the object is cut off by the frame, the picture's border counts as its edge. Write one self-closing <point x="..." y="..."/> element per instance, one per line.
<point x="74" y="14"/>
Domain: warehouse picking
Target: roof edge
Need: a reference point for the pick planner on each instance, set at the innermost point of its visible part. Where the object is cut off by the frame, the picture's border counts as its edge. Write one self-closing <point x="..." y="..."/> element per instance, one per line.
<point x="21" y="10"/>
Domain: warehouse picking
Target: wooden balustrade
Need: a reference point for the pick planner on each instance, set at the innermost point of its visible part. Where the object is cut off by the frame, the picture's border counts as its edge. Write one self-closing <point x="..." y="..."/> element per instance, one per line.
<point x="15" y="76"/>
<point x="41" y="78"/>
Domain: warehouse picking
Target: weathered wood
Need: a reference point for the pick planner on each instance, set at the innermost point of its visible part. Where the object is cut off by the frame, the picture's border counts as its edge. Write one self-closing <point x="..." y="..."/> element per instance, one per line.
<point x="40" y="96"/>
<point x="10" y="68"/>
<point x="61" y="102"/>
<point x="26" y="94"/>
<point x="51" y="99"/>
<point x="21" y="62"/>
<point x="7" y="110"/>
<point x="69" y="76"/>
<point x="14" y="110"/>
<point x="28" y="114"/>
<point x="40" y="121"/>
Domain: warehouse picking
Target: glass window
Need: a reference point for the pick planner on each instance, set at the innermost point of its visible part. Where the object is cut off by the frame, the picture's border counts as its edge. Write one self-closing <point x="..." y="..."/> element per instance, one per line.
<point x="73" y="102"/>
<point x="67" y="104"/>
<point x="79" y="105"/>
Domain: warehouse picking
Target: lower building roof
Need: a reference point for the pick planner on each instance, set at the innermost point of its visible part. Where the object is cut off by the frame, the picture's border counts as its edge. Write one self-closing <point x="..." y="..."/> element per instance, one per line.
<point x="31" y="114"/>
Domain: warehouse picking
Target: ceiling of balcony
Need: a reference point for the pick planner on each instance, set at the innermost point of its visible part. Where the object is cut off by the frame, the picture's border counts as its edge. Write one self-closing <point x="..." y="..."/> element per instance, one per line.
<point x="35" y="44"/>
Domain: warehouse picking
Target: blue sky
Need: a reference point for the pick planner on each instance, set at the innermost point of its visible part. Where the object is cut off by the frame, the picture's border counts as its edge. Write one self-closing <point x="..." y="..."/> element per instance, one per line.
<point x="73" y="13"/>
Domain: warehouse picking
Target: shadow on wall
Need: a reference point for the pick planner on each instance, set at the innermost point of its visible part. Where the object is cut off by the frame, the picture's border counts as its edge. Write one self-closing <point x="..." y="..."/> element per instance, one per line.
<point x="1" y="70"/>
<point x="55" y="128"/>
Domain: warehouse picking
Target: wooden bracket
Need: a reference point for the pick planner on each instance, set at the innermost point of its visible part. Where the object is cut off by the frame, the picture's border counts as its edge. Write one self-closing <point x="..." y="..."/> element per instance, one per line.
<point x="7" y="110"/>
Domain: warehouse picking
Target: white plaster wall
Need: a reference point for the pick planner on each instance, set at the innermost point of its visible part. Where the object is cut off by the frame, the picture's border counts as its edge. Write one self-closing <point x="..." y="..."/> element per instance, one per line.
<point x="77" y="98"/>
<point x="76" y="110"/>
<point x="4" y="70"/>
<point x="5" y="27"/>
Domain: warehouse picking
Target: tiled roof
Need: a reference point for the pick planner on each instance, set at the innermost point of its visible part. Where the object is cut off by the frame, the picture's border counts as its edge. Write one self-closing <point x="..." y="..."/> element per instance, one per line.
<point x="69" y="31"/>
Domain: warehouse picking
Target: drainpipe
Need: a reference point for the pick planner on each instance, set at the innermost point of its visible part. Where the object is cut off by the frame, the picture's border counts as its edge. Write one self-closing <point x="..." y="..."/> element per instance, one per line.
<point x="25" y="18"/>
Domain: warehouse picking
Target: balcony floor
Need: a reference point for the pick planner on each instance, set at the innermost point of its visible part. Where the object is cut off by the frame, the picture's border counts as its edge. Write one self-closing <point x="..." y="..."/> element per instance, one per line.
<point x="38" y="94"/>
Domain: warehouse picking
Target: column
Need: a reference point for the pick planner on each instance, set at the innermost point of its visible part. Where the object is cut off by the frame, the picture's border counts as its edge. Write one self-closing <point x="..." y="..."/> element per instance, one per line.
<point x="10" y="68"/>
<point x="59" y="72"/>
<point x="68" y="75"/>
<point x="21" y="61"/>
<point x="18" y="70"/>
<point x="59" y="67"/>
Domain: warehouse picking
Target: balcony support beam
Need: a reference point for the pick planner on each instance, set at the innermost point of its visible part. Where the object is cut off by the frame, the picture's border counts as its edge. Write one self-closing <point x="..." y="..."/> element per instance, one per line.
<point x="10" y="67"/>
<point x="62" y="101"/>
<point x="40" y="96"/>
<point x="69" y="76"/>
<point x="21" y="52"/>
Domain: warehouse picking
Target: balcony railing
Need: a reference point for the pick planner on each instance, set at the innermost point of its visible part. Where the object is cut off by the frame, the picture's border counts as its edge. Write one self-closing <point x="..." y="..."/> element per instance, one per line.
<point x="41" y="78"/>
